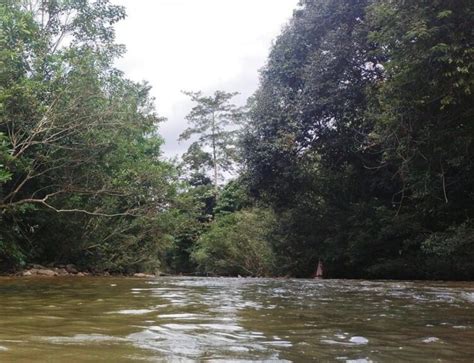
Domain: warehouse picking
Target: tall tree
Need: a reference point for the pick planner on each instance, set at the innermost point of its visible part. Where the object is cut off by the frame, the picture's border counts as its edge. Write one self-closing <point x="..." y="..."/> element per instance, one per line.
<point x="214" y="119"/>
<point x="351" y="138"/>
<point x="424" y="122"/>
<point x="305" y="145"/>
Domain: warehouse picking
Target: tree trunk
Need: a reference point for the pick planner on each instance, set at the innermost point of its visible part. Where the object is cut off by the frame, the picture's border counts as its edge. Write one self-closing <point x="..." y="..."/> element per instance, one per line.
<point x="214" y="155"/>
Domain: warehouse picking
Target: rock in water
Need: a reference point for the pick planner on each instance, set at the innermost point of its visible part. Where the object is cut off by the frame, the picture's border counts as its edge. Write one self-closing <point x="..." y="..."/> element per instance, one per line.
<point x="142" y="275"/>
<point x="61" y="271"/>
<point x="431" y="340"/>
<point x="45" y="272"/>
<point x="71" y="268"/>
<point x="359" y="340"/>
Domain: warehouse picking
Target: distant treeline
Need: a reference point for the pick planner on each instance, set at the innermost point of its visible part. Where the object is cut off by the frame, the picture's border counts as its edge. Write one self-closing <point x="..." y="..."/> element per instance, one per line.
<point x="357" y="149"/>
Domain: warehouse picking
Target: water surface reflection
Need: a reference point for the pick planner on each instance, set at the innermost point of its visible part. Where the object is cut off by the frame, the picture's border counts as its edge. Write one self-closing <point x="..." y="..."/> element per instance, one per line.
<point x="93" y="319"/>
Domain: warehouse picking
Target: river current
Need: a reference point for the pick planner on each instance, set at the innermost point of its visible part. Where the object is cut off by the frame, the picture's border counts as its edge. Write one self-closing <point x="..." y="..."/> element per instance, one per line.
<point x="93" y="319"/>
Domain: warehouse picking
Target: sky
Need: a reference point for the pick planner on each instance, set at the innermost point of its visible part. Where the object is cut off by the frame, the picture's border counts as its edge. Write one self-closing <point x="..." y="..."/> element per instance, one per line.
<point x="194" y="45"/>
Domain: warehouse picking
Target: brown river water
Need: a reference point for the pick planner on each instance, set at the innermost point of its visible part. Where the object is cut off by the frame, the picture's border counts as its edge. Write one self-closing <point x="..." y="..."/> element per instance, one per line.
<point x="222" y="319"/>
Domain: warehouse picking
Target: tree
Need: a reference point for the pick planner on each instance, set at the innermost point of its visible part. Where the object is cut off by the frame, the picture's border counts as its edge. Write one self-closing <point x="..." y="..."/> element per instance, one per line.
<point x="305" y="147"/>
<point x="425" y="103"/>
<point x="192" y="209"/>
<point x="196" y="163"/>
<point x="214" y="119"/>
<point x="350" y="138"/>
<point x="237" y="244"/>
<point x="423" y="115"/>
<point x="77" y="138"/>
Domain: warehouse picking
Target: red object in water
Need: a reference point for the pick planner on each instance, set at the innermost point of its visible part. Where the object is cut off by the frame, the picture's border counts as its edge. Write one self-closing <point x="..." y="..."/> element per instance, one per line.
<point x="319" y="271"/>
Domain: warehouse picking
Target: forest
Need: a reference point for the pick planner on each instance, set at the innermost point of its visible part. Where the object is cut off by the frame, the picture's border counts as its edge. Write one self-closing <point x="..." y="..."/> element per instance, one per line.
<point x="357" y="149"/>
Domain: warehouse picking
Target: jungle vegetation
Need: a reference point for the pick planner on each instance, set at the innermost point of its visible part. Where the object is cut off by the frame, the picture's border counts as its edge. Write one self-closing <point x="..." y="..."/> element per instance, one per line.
<point x="356" y="150"/>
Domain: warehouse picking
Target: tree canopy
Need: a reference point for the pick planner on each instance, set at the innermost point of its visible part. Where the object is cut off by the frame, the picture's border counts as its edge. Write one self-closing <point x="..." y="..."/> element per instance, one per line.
<point x="214" y="119"/>
<point x="361" y="137"/>
<point x="81" y="175"/>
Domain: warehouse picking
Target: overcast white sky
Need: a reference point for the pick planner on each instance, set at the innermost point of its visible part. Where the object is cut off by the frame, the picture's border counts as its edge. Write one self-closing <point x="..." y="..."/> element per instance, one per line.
<point x="196" y="45"/>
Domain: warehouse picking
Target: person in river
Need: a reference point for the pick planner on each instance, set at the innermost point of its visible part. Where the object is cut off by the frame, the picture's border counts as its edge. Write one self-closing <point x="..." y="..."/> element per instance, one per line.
<point x="319" y="271"/>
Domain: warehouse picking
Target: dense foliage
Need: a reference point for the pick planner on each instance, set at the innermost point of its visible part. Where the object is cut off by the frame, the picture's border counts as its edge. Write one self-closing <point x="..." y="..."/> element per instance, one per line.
<point x="81" y="179"/>
<point x="362" y="138"/>
<point x="357" y="149"/>
<point x="237" y="244"/>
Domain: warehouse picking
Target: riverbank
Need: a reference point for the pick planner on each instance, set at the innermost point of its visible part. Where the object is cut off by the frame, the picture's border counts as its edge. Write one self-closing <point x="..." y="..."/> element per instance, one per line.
<point x="37" y="270"/>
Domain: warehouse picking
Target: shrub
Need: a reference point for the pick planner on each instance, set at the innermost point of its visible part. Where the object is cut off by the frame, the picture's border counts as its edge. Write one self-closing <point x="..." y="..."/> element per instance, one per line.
<point x="237" y="244"/>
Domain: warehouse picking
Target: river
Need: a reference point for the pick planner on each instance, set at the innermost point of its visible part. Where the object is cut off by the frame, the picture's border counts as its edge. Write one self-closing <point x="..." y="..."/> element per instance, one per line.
<point x="94" y="319"/>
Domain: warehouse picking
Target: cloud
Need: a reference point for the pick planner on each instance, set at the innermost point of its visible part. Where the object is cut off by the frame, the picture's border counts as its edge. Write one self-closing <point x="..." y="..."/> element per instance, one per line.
<point x="195" y="45"/>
